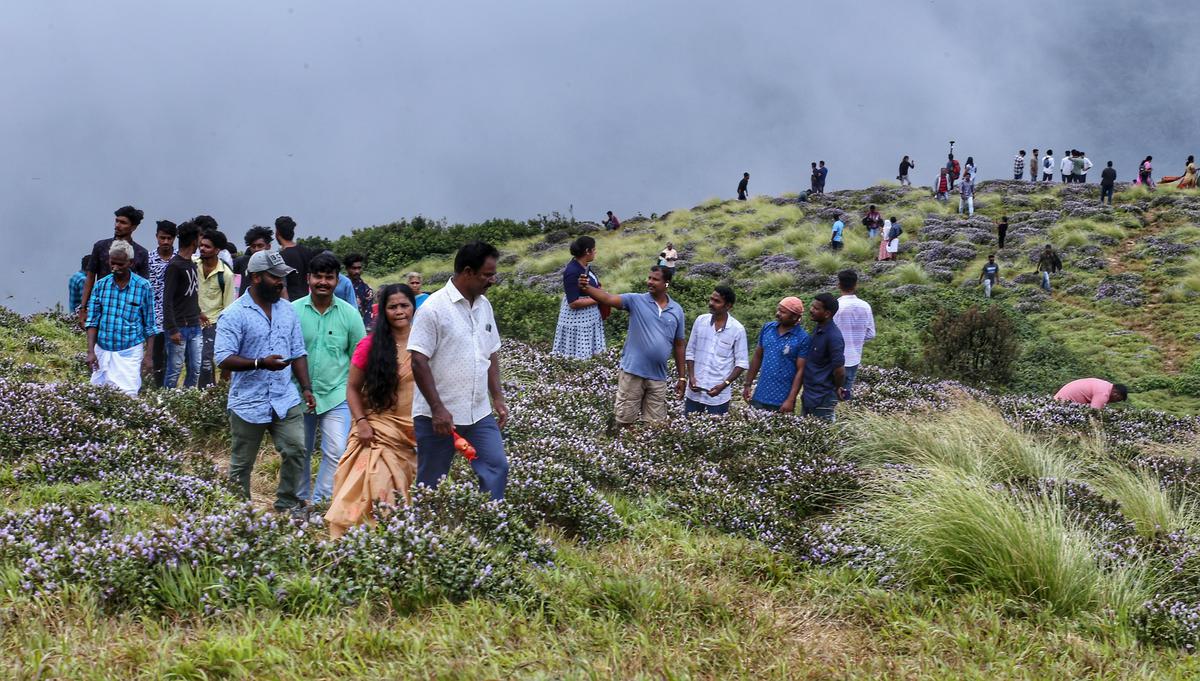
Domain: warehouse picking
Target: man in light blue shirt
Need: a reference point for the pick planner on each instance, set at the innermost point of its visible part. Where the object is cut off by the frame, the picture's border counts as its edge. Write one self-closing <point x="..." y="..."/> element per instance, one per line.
<point x="258" y="339"/>
<point x="656" y="330"/>
<point x="836" y="241"/>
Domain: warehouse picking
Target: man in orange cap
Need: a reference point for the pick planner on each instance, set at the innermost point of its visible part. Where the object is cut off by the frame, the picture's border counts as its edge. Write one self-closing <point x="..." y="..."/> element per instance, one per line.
<point x="780" y="356"/>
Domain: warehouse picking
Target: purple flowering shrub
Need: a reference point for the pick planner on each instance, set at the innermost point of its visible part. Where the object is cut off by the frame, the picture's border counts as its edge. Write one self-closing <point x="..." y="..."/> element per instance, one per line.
<point x="541" y="490"/>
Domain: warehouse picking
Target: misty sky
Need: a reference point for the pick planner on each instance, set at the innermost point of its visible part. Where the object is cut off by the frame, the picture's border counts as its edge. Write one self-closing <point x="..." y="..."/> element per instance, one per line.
<point x="348" y="114"/>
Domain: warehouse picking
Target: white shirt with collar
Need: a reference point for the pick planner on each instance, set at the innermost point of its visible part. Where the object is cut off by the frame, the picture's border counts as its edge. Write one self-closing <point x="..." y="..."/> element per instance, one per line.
<point x="1066" y="164"/>
<point x="857" y="324"/>
<point x="1087" y="164"/>
<point x="459" y="340"/>
<point x="715" y="354"/>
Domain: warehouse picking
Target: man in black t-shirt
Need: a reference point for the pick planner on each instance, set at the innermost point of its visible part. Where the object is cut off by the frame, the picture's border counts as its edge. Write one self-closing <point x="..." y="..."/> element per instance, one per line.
<point x="1108" y="178"/>
<point x="743" y="186"/>
<point x="127" y="220"/>
<point x="181" y="311"/>
<point x="295" y="255"/>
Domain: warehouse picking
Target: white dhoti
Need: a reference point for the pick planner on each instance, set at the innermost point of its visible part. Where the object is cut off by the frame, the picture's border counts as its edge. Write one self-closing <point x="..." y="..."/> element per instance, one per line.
<point x="121" y="369"/>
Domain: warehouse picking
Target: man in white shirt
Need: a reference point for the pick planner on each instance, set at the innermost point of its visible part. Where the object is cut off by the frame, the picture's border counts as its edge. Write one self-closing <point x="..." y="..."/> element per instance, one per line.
<point x="857" y="323"/>
<point x="453" y="343"/>
<point x="716" y="356"/>
<point x="1065" y="167"/>
<point x="1087" y="165"/>
<point x="1048" y="166"/>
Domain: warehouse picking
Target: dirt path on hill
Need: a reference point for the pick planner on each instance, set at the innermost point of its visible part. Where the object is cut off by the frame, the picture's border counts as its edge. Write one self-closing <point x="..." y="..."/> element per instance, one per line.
<point x="1174" y="353"/>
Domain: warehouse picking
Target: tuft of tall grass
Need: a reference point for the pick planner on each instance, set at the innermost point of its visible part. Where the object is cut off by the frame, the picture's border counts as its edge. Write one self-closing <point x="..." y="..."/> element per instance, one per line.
<point x="827" y="263"/>
<point x="911" y="273"/>
<point x="1152" y="509"/>
<point x="961" y="533"/>
<point x="972" y="440"/>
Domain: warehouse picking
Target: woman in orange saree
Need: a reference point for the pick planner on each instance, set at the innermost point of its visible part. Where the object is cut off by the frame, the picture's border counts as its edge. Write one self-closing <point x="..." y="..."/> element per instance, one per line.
<point x="1188" y="179"/>
<point x="380" y="463"/>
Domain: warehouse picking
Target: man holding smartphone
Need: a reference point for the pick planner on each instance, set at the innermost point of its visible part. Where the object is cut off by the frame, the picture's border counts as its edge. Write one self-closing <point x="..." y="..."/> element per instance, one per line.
<point x="258" y="338"/>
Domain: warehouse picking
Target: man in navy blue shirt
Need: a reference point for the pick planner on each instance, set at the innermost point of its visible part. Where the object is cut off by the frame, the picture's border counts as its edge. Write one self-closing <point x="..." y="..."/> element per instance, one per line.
<point x="655" y="331"/>
<point x="825" y="370"/>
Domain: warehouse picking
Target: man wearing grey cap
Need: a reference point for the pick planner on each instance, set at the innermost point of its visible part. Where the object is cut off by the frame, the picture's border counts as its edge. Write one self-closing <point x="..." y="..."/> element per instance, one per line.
<point x="258" y="339"/>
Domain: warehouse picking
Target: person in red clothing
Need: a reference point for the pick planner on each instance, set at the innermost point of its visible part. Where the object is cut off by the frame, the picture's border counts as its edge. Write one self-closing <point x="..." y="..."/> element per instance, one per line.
<point x="941" y="185"/>
<point x="1092" y="391"/>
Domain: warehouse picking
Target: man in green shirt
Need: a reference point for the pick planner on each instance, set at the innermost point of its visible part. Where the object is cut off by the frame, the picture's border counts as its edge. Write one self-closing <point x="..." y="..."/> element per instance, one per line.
<point x="332" y="329"/>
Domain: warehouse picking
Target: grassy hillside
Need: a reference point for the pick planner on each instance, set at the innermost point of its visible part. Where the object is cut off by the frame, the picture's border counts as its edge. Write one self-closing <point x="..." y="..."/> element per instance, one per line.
<point x="1125" y="307"/>
<point x="939" y="531"/>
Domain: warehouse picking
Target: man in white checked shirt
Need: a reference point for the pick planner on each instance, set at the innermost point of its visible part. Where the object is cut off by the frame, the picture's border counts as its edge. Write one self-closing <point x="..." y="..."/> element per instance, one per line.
<point x="716" y="356"/>
<point x="857" y="323"/>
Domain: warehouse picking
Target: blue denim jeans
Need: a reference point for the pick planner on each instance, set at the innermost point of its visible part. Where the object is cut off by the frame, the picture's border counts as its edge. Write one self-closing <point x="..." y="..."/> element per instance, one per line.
<point x="848" y="384"/>
<point x="822" y="409"/>
<point x="335" y="431"/>
<point x="436" y="452"/>
<point x="1046" y="280"/>
<point x="178" y="353"/>
<point x="690" y="406"/>
<point x="208" y="368"/>
<point x="987" y="287"/>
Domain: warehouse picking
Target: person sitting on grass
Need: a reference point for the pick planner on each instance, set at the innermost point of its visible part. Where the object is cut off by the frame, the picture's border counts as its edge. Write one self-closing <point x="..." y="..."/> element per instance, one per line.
<point x="1095" y="392"/>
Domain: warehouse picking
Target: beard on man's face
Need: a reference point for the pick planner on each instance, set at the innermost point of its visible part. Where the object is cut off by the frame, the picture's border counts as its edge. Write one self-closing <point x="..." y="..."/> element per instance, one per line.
<point x="268" y="292"/>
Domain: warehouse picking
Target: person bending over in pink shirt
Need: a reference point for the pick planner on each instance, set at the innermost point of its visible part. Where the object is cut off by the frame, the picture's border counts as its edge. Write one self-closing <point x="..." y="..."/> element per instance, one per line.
<point x="1093" y="391"/>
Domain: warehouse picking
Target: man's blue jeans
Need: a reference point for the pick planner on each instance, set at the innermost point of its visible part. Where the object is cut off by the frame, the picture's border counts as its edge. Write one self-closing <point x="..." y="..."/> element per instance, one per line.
<point x="436" y="452"/>
<point x="691" y="406"/>
<point x="822" y="409"/>
<point x="335" y="431"/>
<point x="187" y="351"/>
<point x="848" y="384"/>
<point x="1046" y="280"/>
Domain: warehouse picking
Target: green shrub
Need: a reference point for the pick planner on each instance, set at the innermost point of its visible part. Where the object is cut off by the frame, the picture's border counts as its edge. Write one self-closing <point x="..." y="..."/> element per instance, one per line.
<point x="524" y="314"/>
<point x="975" y="346"/>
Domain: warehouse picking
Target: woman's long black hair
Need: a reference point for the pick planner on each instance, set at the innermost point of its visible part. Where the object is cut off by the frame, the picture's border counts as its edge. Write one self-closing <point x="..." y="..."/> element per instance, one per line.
<point x="383" y="371"/>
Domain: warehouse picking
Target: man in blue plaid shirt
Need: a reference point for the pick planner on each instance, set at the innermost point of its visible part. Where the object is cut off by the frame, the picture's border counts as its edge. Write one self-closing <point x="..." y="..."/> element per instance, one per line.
<point x="120" y="324"/>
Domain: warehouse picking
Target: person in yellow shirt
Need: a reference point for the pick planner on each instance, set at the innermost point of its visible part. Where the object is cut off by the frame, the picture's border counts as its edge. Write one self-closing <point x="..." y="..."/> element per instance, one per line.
<point x="217" y="292"/>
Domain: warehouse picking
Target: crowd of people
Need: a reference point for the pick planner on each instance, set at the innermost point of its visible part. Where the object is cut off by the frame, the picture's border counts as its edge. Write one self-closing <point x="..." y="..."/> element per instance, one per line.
<point x="311" y="352"/>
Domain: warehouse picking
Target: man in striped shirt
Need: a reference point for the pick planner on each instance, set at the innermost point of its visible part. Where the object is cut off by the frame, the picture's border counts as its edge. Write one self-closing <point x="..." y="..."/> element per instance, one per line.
<point x="857" y="322"/>
<point x="120" y="324"/>
<point x="1019" y="165"/>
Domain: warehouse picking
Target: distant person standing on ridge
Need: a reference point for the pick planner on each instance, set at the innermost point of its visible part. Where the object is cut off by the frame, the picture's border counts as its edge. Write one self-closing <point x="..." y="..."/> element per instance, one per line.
<point x="1048" y="166"/>
<point x="989" y="276"/>
<point x="941" y="185"/>
<point x="781" y="353"/>
<point x="75" y="286"/>
<point x="716" y="356"/>
<point x="1108" y="179"/>
<point x="1146" y="172"/>
<point x="743" y="186"/>
<point x="1001" y="230"/>
<point x="1092" y="391"/>
<point x="815" y="179"/>
<point x="824" y="173"/>
<point x="824" y="372"/>
<point x="120" y="323"/>
<point x="667" y="259"/>
<point x="127" y="219"/>
<point x="1019" y="165"/>
<point x="1048" y="262"/>
<point x="1087" y="165"/>
<point x="164" y="234"/>
<point x="835" y="240"/>
<point x="966" y="190"/>
<point x="1078" y="168"/>
<point x="656" y="332"/>
<point x="1065" y="167"/>
<point x="295" y="255"/>
<point x="611" y="223"/>
<point x="969" y="168"/>
<point x="1034" y="166"/>
<point x="856" y="321"/>
<point x="893" y="239"/>
<point x="873" y="221"/>
<point x="953" y="170"/>
<point x="883" y="242"/>
<point x="905" y="166"/>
